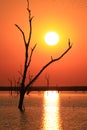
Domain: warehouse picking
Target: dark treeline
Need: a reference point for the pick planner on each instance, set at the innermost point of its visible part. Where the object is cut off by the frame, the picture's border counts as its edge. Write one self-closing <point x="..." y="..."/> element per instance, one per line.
<point x="45" y="88"/>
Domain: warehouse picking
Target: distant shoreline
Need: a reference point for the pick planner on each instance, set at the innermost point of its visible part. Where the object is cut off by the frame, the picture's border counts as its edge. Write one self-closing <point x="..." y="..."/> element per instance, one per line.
<point x="45" y="88"/>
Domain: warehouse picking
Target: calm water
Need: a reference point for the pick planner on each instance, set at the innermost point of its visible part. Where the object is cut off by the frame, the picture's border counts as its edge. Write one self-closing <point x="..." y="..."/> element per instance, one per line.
<point x="48" y="111"/>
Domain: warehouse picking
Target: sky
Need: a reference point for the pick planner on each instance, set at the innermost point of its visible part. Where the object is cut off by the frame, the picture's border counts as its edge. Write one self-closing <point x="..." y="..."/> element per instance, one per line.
<point x="66" y="17"/>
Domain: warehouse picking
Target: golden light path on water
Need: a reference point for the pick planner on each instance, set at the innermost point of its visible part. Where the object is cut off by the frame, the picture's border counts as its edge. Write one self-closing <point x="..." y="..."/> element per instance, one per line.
<point x="51" y="110"/>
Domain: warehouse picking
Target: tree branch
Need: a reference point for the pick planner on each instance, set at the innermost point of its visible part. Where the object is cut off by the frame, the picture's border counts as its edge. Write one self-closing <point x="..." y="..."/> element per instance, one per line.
<point x="10" y="81"/>
<point x="32" y="50"/>
<point x="30" y="21"/>
<point x="22" y="33"/>
<point x="45" y="66"/>
<point x="20" y="73"/>
<point x="47" y="79"/>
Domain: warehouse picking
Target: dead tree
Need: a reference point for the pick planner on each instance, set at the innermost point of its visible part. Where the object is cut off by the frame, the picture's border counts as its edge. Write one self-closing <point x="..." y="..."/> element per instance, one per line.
<point x="10" y="81"/>
<point x="47" y="79"/>
<point x="28" y="57"/>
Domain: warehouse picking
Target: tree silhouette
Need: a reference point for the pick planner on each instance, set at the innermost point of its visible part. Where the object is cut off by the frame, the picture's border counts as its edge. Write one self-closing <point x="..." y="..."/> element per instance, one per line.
<point x="28" y="57"/>
<point x="47" y="79"/>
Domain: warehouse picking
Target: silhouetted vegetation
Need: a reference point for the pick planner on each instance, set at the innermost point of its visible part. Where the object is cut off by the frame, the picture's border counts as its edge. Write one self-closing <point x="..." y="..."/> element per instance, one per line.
<point x="28" y="57"/>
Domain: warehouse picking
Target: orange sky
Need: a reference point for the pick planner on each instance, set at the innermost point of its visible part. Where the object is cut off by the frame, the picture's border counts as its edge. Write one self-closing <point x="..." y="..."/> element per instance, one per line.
<point x="67" y="17"/>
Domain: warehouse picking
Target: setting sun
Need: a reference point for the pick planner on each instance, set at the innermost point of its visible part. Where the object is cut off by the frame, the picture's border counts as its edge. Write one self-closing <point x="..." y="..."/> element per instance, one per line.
<point x="51" y="38"/>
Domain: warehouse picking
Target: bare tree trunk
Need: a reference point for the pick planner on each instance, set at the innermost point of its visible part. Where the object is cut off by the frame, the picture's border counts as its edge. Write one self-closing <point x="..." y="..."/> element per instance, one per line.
<point x="21" y="99"/>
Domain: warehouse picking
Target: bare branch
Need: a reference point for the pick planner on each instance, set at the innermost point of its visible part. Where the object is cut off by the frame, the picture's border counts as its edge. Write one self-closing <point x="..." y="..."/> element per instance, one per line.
<point x="29" y="11"/>
<point x="69" y="43"/>
<point x="51" y="58"/>
<point x="30" y="24"/>
<point x="45" y="66"/>
<point x="22" y="33"/>
<point x="47" y="79"/>
<point x="18" y="82"/>
<point x="30" y="21"/>
<point x="32" y="50"/>
<point x="10" y="81"/>
<point x="28" y="4"/>
<point x="20" y="73"/>
<point x="30" y="76"/>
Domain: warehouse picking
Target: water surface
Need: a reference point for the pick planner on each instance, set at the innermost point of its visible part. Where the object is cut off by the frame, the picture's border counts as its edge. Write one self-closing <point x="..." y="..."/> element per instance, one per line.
<point x="46" y="111"/>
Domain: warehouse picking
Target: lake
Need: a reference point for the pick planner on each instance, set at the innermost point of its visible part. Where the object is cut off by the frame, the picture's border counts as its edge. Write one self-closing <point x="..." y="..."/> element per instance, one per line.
<point x="44" y="111"/>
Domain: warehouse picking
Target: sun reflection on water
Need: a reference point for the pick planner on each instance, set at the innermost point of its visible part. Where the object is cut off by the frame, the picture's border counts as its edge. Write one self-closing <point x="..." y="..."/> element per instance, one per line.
<point x="51" y="110"/>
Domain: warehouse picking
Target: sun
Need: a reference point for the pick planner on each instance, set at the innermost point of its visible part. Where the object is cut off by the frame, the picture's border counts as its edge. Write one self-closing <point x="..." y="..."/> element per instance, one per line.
<point x="51" y="38"/>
